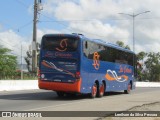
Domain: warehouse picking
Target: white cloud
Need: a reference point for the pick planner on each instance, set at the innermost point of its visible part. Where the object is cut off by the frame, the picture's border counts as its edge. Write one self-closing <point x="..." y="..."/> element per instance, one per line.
<point x="13" y="41"/>
<point x="96" y="29"/>
<point x="107" y="20"/>
<point x="1" y="27"/>
<point x="104" y="22"/>
<point x="148" y="47"/>
<point x="49" y="6"/>
<point x="85" y="9"/>
<point x="41" y="32"/>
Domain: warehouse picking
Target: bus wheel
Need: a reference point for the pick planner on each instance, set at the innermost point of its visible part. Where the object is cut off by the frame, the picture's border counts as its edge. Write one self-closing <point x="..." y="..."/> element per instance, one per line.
<point x="60" y="94"/>
<point x="71" y="94"/>
<point x="101" y="90"/>
<point x="94" y="91"/>
<point x="128" y="89"/>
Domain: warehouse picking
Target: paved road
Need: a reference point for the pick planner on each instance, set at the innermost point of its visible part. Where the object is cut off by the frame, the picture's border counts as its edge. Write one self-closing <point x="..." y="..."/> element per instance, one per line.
<point x="42" y="100"/>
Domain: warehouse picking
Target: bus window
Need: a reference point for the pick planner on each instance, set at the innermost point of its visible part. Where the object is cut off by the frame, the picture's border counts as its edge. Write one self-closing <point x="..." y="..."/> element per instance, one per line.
<point x="61" y="44"/>
<point x="86" y="45"/>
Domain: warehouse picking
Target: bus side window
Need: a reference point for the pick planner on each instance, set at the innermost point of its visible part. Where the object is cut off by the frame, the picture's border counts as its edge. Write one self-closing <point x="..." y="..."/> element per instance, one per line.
<point x="86" y="45"/>
<point x="85" y="49"/>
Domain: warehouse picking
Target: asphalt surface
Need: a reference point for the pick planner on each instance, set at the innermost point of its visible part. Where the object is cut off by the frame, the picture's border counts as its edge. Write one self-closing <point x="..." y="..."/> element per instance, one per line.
<point x="43" y="100"/>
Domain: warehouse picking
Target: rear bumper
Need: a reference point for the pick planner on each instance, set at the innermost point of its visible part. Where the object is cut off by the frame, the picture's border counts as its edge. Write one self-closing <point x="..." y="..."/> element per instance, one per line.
<point x="57" y="86"/>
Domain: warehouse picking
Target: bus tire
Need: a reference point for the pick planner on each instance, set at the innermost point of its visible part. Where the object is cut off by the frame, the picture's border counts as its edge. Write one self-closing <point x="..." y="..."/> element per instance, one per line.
<point x="60" y="94"/>
<point x="94" y="91"/>
<point x="71" y="94"/>
<point x="128" y="91"/>
<point x="101" y="90"/>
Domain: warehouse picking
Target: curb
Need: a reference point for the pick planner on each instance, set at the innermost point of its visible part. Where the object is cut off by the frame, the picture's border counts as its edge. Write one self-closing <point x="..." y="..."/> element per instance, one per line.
<point x="10" y="85"/>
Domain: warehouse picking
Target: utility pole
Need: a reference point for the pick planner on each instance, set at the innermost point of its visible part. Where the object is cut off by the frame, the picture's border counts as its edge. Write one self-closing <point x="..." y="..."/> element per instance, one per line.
<point x="21" y="63"/>
<point x="37" y="7"/>
<point x="133" y="16"/>
<point x="34" y="48"/>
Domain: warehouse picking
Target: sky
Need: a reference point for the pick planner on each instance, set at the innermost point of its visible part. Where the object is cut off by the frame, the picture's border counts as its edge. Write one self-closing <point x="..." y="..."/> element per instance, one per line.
<point x="95" y="19"/>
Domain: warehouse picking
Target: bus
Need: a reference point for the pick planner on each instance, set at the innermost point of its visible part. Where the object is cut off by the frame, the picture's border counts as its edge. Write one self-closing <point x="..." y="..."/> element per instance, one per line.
<point x="73" y="63"/>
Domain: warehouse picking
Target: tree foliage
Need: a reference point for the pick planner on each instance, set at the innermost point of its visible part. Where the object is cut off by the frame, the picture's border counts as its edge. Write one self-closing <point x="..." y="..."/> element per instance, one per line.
<point x="8" y="63"/>
<point x="28" y="60"/>
<point x="141" y="55"/>
<point x="140" y="65"/>
<point x="121" y="44"/>
<point x="153" y="66"/>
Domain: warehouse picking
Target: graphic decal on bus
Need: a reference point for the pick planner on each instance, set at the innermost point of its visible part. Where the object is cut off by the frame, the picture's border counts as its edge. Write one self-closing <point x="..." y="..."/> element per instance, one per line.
<point x="96" y="62"/>
<point x="112" y="75"/>
<point x="62" y="46"/>
<point x="54" y="67"/>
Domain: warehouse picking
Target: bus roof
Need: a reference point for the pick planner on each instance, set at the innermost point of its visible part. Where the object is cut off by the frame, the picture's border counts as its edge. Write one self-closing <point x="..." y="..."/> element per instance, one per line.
<point x="99" y="41"/>
<point x="66" y="35"/>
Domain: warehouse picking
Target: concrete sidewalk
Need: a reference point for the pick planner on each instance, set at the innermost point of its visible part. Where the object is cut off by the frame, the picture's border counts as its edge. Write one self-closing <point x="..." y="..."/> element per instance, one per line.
<point x="9" y="85"/>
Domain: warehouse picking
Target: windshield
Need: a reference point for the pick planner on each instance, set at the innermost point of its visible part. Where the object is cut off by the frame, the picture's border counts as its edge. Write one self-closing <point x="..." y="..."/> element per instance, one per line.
<point x="62" y="44"/>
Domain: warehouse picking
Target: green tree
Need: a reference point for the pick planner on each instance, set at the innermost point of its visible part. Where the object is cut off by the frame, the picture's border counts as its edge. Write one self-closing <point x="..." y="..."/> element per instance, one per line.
<point x="140" y="57"/>
<point x="28" y="60"/>
<point x="121" y="44"/>
<point x="153" y="66"/>
<point x="8" y="63"/>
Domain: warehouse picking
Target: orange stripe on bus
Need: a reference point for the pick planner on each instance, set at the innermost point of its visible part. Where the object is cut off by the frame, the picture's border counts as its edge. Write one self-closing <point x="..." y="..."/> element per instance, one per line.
<point x="58" y="86"/>
<point x="125" y="77"/>
<point x="46" y="65"/>
<point x="108" y="77"/>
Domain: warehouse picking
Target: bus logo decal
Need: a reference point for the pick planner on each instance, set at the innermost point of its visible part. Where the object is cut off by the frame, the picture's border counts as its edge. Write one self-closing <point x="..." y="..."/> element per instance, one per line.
<point x="54" y="67"/>
<point x="96" y="62"/>
<point x="62" y="46"/>
<point x="112" y="75"/>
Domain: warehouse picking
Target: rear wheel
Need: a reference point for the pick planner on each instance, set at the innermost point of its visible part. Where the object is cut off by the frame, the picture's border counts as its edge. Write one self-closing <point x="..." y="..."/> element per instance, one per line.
<point x="101" y="90"/>
<point x="128" y="91"/>
<point x="94" y="91"/>
<point x="71" y="94"/>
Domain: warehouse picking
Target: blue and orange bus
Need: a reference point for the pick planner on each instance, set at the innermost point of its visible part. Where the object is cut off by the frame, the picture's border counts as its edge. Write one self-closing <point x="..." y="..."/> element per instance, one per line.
<point x="73" y="63"/>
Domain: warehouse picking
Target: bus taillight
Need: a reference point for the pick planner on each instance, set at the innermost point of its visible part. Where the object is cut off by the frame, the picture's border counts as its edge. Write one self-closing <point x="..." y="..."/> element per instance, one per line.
<point x="77" y="75"/>
<point x="39" y="74"/>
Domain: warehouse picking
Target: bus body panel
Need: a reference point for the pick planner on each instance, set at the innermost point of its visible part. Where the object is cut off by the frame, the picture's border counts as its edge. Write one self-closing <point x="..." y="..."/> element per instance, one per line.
<point x="57" y="86"/>
<point x="58" y="70"/>
<point x="90" y="75"/>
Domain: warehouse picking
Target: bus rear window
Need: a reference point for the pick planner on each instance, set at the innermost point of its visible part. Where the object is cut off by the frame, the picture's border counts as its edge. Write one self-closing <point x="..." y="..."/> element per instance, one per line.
<point x="62" y="44"/>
